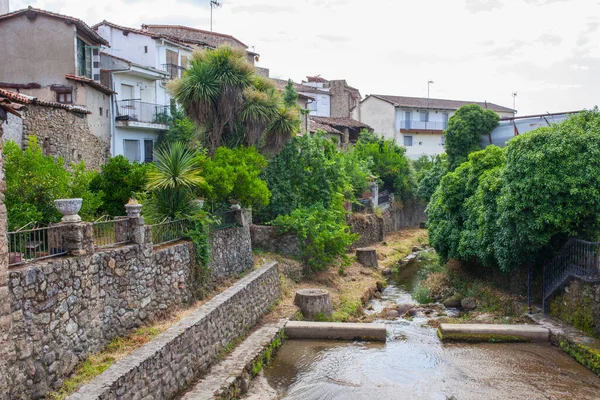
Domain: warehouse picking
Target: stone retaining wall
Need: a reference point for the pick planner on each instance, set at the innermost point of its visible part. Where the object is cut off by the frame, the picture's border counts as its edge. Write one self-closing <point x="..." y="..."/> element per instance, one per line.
<point x="578" y="304"/>
<point x="268" y="238"/>
<point x="231" y="249"/>
<point x="66" y="308"/>
<point x="175" y="358"/>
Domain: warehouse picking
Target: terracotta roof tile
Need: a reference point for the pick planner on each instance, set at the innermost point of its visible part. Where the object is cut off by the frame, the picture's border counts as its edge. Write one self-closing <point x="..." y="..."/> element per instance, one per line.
<point x="139" y="32"/>
<point x="80" y="24"/>
<point x="90" y="82"/>
<point x="439" y="104"/>
<point x="149" y="28"/>
<point x="316" y="125"/>
<point x="24" y="99"/>
<point x="339" y="122"/>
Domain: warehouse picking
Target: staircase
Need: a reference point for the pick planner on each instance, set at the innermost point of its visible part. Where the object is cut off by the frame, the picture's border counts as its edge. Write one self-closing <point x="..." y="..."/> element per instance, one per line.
<point x="577" y="259"/>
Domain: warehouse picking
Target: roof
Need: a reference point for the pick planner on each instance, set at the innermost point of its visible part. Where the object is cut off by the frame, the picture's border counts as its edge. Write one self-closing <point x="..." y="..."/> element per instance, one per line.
<point x="187" y="28"/>
<point x="438" y="104"/>
<point x="90" y="82"/>
<point x="316" y="125"/>
<point x="139" y="32"/>
<point x="85" y="28"/>
<point x="129" y="63"/>
<point x="24" y="99"/>
<point x="340" y="122"/>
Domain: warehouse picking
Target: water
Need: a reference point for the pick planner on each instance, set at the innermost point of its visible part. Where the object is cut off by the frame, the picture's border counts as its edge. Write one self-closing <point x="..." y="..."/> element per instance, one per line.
<point x="414" y="364"/>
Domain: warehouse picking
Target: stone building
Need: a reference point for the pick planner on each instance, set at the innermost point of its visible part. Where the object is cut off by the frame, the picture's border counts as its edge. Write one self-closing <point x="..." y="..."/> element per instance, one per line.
<point x="55" y="58"/>
<point x="62" y="130"/>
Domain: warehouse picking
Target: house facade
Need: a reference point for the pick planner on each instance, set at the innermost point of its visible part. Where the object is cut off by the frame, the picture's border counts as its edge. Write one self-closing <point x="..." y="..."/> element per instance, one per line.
<point x="56" y="58"/>
<point x="416" y="123"/>
<point x="142" y="103"/>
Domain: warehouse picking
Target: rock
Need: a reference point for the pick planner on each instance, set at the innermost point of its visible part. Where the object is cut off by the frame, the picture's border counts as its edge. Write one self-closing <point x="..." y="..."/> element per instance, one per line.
<point x="403" y="308"/>
<point x="453" y="302"/>
<point x="387" y="271"/>
<point x="468" y="303"/>
<point x="415" y="249"/>
<point x="391" y="314"/>
<point x="312" y="302"/>
<point x="367" y="256"/>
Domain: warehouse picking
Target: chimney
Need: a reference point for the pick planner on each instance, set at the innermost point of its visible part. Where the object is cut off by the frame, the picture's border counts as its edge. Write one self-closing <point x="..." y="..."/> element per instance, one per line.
<point x="3" y="7"/>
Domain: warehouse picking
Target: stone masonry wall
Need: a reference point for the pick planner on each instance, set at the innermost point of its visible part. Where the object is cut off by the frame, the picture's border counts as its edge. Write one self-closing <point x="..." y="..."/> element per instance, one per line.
<point x="231" y="249"/>
<point x="173" y="360"/>
<point x="66" y="134"/>
<point x="268" y="238"/>
<point x="66" y="308"/>
<point x="578" y="304"/>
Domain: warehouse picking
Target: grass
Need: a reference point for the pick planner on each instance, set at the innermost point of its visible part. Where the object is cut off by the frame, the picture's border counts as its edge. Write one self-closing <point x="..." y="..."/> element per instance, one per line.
<point x="479" y="337"/>
<point x="587" y="356"/>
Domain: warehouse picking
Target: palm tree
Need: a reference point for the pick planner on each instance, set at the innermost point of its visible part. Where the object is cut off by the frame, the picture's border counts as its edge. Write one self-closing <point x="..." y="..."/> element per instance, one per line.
<point x="172" y="181"/>
<point x="233" y="105"/>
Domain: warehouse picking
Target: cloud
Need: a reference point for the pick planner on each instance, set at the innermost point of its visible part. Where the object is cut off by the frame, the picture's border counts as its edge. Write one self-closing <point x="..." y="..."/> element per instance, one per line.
<point x="505" y="51"/>
<point x="263" y="8"/>
<point x="333" y="38"/>
<point x="544" y="2"/>
<point x="550" y="39"/>
<point x="476" y="6"/>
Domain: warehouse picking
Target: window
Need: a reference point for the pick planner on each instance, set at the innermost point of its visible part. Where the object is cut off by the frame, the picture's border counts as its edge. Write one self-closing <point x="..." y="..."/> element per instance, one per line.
<point x="100" y="111"/>
<point x="84" y="59"/>
<point x="424" y="116"/>
<point x="444" y="121"/>
<point x="148" y="150"/>
<point x="131" y="150"/>
<point x="64" y="97"/>
<point x="145" y="49"/>
<point x="442" y="140"/>
<point x="126" y="92"/>
<point x="408" y="140"/>
<point x="407" y="120"/>
<point x="184" y="62"/>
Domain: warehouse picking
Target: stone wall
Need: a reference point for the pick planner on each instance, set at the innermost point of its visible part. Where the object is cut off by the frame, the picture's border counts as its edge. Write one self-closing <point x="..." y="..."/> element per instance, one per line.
<point x="172" y="361"/>
<point x="578" y="304"/>
<point x="13" y="129"/>
<point x="66" y="134"/>
<point x="268" y="238"/>
<point x="368" y="226"/>
<point x="66" y="308"/>
<point x="231" y="248"/>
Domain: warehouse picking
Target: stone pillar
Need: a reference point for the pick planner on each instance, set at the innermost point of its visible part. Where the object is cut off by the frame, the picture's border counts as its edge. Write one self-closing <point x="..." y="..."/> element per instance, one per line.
<point x="243" y="217"/>
<point x="137" y="228"/>
<point x="375" y="194"/>
<point x="78" y="237"/>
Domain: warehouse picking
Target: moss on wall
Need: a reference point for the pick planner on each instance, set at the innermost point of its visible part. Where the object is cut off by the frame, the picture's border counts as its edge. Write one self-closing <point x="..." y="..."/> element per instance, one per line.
<point x="577" y="307"/>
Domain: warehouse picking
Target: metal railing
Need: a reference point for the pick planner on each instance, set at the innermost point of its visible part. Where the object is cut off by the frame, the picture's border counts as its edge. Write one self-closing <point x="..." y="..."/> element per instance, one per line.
<point x="35" y="244"/>
<point x="578" y="259"/>
<point x="225" y="220"/>
<point x="362" y="205"/>
<point x="136" y="110"/>
<point x="423" y="125"/>
<point x="111" y="232"/>
<point x="175" y="71"/>
<point x="383" y="198"/>
<point x="169" y="231"/>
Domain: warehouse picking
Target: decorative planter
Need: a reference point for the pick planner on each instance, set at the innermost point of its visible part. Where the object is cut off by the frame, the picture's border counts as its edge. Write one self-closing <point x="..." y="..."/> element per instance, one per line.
<point x="235" y="205"/>
<point x="69" y="209"/>
<point x="133" y="210"/>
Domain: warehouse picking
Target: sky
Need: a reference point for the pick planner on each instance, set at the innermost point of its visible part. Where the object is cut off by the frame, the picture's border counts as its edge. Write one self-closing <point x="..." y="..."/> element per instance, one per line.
<point x="547" y="51"/>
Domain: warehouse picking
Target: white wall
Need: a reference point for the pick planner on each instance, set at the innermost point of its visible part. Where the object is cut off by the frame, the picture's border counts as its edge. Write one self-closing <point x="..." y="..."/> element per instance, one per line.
<point x="379" y="115"/>
<point x="13" y="129"/>
<point x="133" y="134"/>
<point x="139" y="84"/>
<point x="131" y="47"/>
<point x="321" y="106"/>
<point x="423" y="144"/>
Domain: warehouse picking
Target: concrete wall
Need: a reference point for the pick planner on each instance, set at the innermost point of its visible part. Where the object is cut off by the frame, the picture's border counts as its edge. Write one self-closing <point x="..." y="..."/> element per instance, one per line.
<point x="379" y="115"/>
<point x="173" y="360"/>
<point x="40" y="51"/>
<point x="100" y="125"/>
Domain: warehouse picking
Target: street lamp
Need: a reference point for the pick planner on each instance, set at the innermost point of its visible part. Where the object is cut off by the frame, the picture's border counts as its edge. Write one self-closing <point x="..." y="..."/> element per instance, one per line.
<point x="514" y="95"/>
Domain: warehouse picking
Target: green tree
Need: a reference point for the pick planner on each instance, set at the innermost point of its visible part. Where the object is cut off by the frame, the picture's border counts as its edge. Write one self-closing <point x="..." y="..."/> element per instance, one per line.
<point x="232" y="105"/>
<point x="119" y="180"/>
<point x="181" y="129"/>
<point x="235" y="174"/>
<point x="388" y="163"/>
<point x="429" y="177"/>
<point x="465" y="128"/>
<point x="290" y="95"/>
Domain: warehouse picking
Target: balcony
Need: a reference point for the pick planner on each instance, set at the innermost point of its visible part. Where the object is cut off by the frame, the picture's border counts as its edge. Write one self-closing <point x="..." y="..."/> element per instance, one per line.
<point x="422" y="126"/>
<point x="174" y="70"/>
<point x="136" y="113"/>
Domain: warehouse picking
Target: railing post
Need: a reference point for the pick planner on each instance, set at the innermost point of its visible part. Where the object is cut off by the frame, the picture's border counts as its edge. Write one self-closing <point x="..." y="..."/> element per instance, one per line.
<point x="137" y="229"/>
<point x="78" y="238"/>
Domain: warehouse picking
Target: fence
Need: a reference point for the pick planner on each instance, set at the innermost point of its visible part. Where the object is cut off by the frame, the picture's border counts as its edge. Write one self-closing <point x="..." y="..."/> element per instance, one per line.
<point x="383" y="198"/>
<point x="226" y="219"/>
<point x="362" y="205"/>
<point x="136" y="110"/>
<point x="169" y="231"/>
<point x="35" y="244"/>
<point x="577" y="258"/>
<point x="111" y="233"/>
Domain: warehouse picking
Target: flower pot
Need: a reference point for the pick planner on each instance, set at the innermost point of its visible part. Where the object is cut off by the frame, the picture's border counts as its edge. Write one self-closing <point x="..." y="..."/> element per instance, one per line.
<point x="133" y="210"/>
<point x="69" y="209"/>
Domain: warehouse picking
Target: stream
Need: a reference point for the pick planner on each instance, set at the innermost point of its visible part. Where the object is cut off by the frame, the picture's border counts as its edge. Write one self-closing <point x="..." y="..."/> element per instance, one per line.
<point x="414" y="364"/>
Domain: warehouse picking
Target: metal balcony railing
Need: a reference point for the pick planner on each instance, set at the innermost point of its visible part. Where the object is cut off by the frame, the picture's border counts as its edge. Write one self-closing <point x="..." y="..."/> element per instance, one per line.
<point x="136" y="110"/>
<point x="424" y="126"/>
<point x="34" y="244"/>
<point x="175" y="71"/>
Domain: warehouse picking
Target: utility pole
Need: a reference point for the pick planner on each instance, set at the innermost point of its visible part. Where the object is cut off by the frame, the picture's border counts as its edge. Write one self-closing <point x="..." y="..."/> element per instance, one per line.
<point x="213" y="4"/>
<point x="514" y="95"/>
<point x="428" y="85"/>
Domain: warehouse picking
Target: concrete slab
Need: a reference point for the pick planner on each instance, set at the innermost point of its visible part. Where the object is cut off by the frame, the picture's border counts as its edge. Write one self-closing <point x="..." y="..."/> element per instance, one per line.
<point x="335" y="331"/>
<point x="493" y="333"/>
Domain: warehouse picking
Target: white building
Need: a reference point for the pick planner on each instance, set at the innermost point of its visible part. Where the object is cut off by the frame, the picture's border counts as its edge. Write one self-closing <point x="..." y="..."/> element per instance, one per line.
<point x="137" y="66"/>
<point x="318" y="89"/>
<point x="416" y="123"/>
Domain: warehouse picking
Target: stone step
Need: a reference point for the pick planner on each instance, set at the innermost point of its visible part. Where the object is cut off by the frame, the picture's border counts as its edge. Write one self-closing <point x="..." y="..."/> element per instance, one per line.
<point x="231" y="376"/>
<point x="493" y="333"/>
<point x="335" y="331"/>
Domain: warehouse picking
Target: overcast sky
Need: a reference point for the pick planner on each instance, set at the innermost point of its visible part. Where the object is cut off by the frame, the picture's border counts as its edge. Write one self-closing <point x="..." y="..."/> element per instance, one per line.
<point x="546" y="50"/>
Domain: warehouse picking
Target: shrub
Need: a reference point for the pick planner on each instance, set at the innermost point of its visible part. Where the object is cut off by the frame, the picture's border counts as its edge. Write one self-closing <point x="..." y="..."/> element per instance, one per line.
<point x="322" y="232"/>
<point x="234" y="174"/>
<point x="429" y="178"/>
<point x="119" y="180"/>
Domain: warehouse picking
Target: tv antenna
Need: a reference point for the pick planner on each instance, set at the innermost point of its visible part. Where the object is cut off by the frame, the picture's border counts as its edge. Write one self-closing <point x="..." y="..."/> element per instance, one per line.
<point x="213" y="4"/>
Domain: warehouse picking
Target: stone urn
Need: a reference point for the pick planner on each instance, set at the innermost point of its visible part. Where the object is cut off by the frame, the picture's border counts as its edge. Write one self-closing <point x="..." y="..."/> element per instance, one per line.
<point x="134" y="210"/>
<point x="69" y="209"/>
<point x="235" y="205"/>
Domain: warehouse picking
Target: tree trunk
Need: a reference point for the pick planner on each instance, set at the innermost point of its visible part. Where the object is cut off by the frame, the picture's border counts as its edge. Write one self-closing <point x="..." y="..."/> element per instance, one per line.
<point x="367" y="256"/>
<point x="313" y="302"/>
